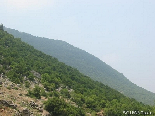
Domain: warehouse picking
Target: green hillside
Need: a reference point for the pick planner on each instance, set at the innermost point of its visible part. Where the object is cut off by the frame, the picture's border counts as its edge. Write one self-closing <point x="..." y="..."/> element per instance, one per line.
<point x="69" y="92"/>
<point x="87" y="64"/>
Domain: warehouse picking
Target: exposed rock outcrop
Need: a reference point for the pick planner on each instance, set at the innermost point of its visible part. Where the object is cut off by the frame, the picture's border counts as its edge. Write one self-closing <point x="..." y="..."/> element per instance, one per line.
<point x="8" y="104"/>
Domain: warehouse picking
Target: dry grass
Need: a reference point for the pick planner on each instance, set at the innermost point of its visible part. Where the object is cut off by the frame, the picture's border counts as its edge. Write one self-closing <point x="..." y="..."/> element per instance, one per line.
<point x="19" y="98"/>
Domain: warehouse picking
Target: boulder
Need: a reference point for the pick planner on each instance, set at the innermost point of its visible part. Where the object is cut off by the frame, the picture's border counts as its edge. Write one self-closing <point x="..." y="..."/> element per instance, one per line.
<point x="13" y="106"/>
<point x="4" y="102"/>
<point x="20" y="94"/>
<point x="25" y="112"/>
<point x="8" y="104"/>
<point x="100" y="113"/>
<point x="36" y="74"/>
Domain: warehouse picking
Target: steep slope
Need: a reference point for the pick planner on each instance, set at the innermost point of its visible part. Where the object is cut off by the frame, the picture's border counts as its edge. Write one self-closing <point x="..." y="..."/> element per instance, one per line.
<point x="68" y="92"/>
<point x="87" y="64"/>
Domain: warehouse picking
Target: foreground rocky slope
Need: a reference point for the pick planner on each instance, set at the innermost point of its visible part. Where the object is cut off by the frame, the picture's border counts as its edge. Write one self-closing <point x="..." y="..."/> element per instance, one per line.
<point x="15" y="102"/>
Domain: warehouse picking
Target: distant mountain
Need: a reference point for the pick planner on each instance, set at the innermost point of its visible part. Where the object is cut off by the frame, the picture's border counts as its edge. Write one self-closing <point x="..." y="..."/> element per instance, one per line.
<point x="87" y="64"/>
<point x="53" y="86"/>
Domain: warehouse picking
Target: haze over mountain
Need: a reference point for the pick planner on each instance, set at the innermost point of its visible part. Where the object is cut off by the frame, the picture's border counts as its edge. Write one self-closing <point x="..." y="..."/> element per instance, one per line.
<point x="120" y="33"/>
<point x="87" y="64"/>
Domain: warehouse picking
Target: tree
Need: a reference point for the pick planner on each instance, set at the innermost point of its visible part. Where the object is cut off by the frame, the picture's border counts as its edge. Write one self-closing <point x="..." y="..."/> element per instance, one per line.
<point x="65" y="93"/>
<point x="36" y="92"/>
<point x="55" y="106"/>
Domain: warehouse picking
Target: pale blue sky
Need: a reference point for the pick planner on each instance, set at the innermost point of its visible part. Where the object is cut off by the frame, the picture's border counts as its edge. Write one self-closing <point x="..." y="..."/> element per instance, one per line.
<point x="119" y="32"/>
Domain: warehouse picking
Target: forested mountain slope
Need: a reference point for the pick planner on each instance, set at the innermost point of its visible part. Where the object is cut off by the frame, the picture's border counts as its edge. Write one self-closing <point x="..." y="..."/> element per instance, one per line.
<point x="87" y="64"/>
<point x="68" y="92"/>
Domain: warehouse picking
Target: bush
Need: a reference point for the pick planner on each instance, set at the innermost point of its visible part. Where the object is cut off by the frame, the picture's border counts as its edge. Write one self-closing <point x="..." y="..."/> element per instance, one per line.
<point x="27" y="84"/>
<point x="58" y="107"/>
<point x="36" y="92"/>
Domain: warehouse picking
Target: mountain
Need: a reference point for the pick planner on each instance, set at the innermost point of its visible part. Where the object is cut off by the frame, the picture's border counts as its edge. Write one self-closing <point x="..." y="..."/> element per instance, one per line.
<point x="87" y="64"/>
<point x="60" y="89"/>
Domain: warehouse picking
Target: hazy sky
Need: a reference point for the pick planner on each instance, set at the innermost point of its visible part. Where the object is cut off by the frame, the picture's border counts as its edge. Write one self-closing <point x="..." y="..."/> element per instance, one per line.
<point x="119" y="32"/>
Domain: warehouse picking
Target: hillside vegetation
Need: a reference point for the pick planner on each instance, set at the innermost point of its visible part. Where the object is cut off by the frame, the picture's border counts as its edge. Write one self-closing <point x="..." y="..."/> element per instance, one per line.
<point x="68" y="92"/>
<point x="88" y="65"/>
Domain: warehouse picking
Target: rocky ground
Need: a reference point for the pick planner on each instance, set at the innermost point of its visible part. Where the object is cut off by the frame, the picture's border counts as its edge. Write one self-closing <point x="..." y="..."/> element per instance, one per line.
<point x="14" y="102"/>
